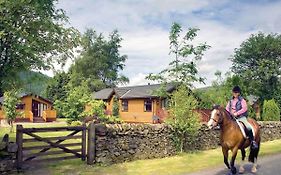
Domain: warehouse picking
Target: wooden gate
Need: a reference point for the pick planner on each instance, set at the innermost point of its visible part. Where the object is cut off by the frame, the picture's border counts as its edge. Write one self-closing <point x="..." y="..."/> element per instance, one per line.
<point x="52" y="145"/>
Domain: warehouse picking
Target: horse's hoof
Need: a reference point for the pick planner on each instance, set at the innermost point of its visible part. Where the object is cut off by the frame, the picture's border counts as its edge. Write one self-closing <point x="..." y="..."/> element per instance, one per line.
<point x="254" y="169"/>
<point x="233" y="170"/>
<point x="241" y="170"/>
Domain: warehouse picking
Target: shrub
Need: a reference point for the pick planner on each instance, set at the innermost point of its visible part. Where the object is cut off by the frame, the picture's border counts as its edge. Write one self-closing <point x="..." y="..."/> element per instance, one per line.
<point x="115" y="107"/>
<point x="74" y="104"/>
<point x="271" y="111"/>
<point x="183" y="120"/>
<point x="76" y="123"/>
<point x="9" y="107"/>
<point x="97" y="111"/>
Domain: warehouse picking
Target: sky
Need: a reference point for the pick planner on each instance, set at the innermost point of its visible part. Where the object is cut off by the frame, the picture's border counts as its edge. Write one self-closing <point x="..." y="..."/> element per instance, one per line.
<point x="144" y="26"/>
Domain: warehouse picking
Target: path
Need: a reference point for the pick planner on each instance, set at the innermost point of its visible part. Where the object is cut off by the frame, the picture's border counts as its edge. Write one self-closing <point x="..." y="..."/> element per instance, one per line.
<point x="268" y="165"/>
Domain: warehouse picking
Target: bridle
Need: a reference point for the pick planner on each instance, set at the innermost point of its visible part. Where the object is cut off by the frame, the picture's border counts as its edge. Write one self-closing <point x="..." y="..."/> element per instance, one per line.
<point x="219" y="120"/>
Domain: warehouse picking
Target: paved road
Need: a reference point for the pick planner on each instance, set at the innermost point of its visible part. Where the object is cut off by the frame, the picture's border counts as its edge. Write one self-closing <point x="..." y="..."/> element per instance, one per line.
<point x="269" y="165"/>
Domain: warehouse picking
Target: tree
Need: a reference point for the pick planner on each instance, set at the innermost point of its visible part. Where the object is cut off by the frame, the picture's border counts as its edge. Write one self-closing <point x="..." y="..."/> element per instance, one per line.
<point x="183" y="68"/>
<point x="258" y="63"/>
<point x="10" y="106"/>
<point x="74" y="105"/>
<point x="115" y="107"/>
<point x="184" y="121"/>
<point x="57" y="87"/>
<point x="100" y="61"/>
<point x="32" y="36"/>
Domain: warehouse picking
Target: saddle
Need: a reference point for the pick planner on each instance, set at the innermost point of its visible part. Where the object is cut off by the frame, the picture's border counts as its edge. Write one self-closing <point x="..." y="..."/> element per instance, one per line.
<point x="244" y="130"/>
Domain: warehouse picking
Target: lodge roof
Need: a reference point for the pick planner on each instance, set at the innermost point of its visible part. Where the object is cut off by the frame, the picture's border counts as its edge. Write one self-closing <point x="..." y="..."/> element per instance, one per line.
<point x="129" y="92"/>
<point x="21" y="95"/>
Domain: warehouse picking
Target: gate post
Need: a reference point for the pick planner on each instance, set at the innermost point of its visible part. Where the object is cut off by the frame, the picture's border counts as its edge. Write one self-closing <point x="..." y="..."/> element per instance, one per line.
<point x="91" y="152"/>
<point x="83" y="148"/>
<point x="19" y="141"/>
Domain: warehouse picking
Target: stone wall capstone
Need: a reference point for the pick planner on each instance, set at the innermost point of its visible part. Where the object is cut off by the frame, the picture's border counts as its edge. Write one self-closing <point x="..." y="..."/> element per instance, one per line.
<point x="116" y="143"/>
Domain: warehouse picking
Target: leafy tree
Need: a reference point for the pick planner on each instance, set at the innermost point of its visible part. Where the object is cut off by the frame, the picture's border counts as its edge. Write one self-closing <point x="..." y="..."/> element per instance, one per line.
<point x="99" y="62"/>
<point x="258" y="63"/>
<point x="271" y="111"/>
<point x="57" y="87"/>
<point x="184" y="121"/>
<point x="74" y="105"/>
<point x="185" y="56"/>
<point x="32" y="36"/>
<point x="219" y="92"/>
<point x="9" y="106"/>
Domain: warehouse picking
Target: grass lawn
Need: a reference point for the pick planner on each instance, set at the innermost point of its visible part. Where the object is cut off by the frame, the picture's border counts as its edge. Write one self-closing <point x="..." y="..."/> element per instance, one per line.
<point x="176" y="165"/>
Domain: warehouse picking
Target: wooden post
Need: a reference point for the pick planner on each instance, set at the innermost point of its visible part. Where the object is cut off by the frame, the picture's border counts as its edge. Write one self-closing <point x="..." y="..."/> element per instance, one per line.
<point x="91" y="152"/>
<point x="19" y="141"/>
<point x="83" y="148"/>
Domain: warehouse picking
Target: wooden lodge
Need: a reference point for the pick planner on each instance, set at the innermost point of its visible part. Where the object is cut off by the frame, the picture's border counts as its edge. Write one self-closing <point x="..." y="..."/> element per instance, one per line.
<point x="34" y="108"/>
<point x="137" y="104"/>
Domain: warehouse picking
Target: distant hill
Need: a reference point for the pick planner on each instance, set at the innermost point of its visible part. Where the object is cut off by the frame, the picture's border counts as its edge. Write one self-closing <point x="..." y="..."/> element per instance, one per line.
<point x="34" y="82"/>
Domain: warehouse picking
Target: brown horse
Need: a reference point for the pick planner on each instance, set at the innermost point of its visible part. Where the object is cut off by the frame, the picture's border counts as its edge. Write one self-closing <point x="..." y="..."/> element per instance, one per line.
<point x="231" y="138"/>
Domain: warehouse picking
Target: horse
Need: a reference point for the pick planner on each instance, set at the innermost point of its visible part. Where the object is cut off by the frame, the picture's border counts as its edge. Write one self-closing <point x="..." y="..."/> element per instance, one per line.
<point x="231" y="138"/>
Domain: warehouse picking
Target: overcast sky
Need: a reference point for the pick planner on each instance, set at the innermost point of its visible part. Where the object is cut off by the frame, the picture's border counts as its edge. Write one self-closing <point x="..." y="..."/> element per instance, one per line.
<point x="144" y="26"/>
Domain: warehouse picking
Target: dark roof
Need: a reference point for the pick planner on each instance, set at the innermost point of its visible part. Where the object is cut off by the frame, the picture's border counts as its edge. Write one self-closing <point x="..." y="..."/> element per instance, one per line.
<point x="144" y="91"/>
<point x="103" y="94"/>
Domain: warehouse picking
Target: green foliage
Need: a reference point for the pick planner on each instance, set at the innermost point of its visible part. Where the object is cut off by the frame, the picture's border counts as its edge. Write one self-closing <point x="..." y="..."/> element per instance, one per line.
<point x="9" y="106"/>
<point x="57" y="87"/>
<point x="99" y="62"/>
<point x="220" y="91"/>
<point x="271" y="111"/>
<point x="251" y="112"/>
<point x="110" y="119"/>
<point x="183" y="68"/>
<point x="33" y="82"/>
<point x="258" y="63"/>
<point x="76" y="123"/>
<point x="184" y="121"/>
<point x="32" y="36"/>
<point x="74" y="105"/>
<point x="115" y="106"/>
<point x="97" y="110"/>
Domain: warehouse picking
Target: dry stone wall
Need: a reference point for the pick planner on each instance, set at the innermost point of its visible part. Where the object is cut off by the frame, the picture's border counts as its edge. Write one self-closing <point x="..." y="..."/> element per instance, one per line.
<point x="126" y="142"/>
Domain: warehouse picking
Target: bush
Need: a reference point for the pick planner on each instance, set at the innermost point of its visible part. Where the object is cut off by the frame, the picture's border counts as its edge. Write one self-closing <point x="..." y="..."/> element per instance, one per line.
<point x="115" y="107"/>
<point x="74" y="104"/>
<point x="183" y="120"/>
<point x="75" y="123"/>
<point x="271" y="111"/>
<point x="97" y="111"/>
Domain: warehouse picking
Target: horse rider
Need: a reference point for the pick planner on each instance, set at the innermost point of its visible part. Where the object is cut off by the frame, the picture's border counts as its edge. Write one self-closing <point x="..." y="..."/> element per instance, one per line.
<point x="237" y="107"/>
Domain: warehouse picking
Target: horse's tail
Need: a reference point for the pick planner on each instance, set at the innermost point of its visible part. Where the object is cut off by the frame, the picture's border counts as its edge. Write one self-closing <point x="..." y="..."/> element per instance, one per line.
<point x="254" y="153"/>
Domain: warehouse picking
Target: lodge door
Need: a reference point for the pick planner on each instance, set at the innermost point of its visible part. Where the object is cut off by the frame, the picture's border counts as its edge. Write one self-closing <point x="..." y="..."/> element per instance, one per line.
<point x="35" y="108"/>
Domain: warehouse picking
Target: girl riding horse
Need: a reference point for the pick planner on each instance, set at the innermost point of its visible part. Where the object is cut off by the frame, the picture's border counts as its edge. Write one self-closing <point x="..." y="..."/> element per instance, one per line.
<point x="232" y="138"/>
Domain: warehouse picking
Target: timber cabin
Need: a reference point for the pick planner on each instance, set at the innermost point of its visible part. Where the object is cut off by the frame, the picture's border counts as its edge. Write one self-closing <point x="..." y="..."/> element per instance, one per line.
<point x="34" y="108"/>
<point x="137" y="104"/>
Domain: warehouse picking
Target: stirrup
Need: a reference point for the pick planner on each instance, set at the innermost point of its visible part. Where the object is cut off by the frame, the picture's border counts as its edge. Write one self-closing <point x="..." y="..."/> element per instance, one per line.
<point x="254" y="145"/>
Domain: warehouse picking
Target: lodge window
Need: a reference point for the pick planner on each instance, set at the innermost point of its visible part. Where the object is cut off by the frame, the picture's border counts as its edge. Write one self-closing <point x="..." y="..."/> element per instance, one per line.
<point x="125" y="105"/>
<point x="147" y="105"/>
<point x="20" y="106"/>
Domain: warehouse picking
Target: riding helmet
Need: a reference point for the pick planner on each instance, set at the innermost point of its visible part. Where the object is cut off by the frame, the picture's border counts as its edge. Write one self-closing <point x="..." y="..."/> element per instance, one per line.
<point x="236" y="89"/>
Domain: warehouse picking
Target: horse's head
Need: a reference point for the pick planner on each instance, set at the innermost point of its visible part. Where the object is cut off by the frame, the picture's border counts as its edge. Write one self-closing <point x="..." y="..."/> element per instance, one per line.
<point x="216" y="117"/>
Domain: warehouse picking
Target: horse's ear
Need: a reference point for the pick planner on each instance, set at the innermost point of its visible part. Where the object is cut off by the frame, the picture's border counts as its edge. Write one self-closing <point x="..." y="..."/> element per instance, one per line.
<point x="216" y="106"/>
